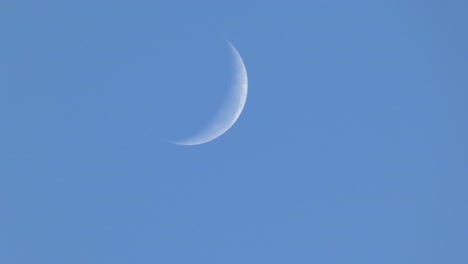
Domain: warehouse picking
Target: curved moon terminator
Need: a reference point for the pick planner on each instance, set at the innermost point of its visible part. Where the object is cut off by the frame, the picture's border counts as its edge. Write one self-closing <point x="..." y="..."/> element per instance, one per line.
<point x="230" y="110"/>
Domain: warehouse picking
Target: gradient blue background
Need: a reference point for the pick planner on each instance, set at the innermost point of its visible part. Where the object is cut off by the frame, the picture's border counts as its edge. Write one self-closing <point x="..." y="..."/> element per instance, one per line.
<point x="352" y="147"/>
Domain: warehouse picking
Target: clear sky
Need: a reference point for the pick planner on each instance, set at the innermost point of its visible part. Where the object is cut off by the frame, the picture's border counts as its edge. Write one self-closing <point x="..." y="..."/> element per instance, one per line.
<point x="352" y="146"/>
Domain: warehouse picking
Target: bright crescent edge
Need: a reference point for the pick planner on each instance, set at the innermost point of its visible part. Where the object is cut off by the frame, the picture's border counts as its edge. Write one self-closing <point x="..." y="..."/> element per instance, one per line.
<point x="239" y="92"/>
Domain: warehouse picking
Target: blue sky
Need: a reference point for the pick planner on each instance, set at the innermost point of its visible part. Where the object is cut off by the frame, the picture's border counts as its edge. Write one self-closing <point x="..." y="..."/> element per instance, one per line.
<point x="351" y="148"/>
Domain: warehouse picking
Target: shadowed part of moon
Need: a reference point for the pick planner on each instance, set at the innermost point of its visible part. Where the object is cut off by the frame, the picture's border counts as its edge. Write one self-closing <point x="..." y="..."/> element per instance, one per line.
<point x="230" y="110"/>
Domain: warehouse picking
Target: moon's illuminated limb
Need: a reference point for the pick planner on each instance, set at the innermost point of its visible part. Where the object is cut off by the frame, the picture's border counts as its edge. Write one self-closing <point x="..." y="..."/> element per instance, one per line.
<point x="231" y="109"/>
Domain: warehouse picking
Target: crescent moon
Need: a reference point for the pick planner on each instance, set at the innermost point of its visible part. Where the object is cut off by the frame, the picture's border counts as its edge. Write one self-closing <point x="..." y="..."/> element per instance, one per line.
<point x="230" y="110"/>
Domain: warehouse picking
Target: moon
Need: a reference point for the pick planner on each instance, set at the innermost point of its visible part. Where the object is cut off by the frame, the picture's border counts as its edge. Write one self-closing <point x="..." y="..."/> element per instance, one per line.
<point x="230" y="110"/>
